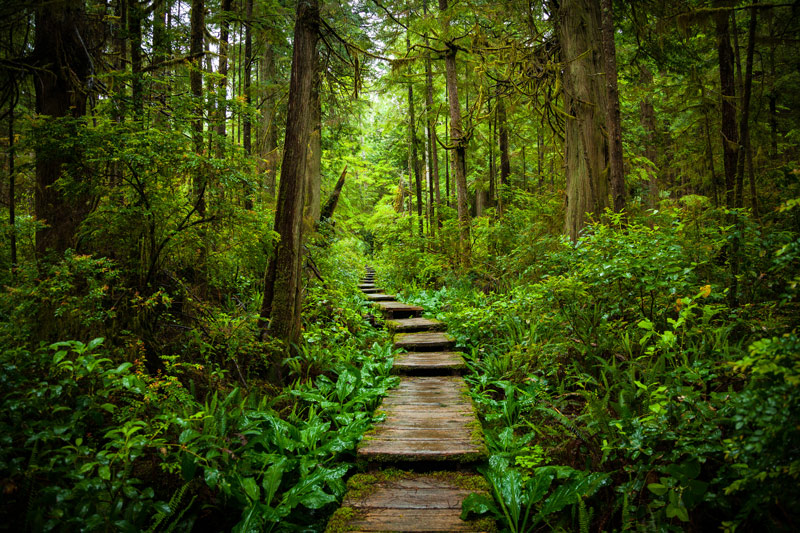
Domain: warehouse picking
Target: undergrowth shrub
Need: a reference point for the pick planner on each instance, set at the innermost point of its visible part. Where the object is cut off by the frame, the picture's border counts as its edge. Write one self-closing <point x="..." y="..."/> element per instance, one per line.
<point x="622" y="359"/>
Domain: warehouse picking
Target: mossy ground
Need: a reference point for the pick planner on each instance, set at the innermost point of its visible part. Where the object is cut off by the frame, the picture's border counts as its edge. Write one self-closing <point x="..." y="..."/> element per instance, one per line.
<point x="340" y="521"/>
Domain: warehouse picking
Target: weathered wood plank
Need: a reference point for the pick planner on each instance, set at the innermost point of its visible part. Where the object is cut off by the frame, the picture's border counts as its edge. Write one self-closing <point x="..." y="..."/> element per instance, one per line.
<point x="417" y="520"/>
<point x="406" y="501"/>
<point x="405" y="325"/>
<point x="381" y="297"/>
<point x="371" y="291"/>
<point x="401" y="437"/>
<point x="366" y="285"/>
<point x="425" y="341"/>
<point x="398" y="309"/>
<point x="418" y="361"/>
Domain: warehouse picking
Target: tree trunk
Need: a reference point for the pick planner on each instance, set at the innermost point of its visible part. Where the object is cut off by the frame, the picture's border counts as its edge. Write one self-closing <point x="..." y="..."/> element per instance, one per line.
<point x="433" y="152"/>
<point x="269" y="143"/>
<point x="505" y="161"/>
<point x="540" y="160"/>
<point x="710" y="156"/>
<point x="647" y="119"/>
<point x="222" y="70"/>
<point x="12" y="183"/>
<point x="63" y="69"/>
<point x="281" y="305"/>
<point x="160" y="45"/>
<point x="412" y="132"/>
<point x="578" y="31"/>
<point x="730" y="136"/>
<point x="314" y="165"/>
<point x="447" y="153"/>
<point x="772" y="94"/>
<point x="744" y="120"/>
<point x="458" y="141"/>
<point x="492" y="199"/>
<point x="613" y="120"/>
<point x="333" y="199"/>
<point x="121" y="52"/>
<point x="247" y="138"/>
<point x="135" y="15"/>
<point x="197" y="30"/>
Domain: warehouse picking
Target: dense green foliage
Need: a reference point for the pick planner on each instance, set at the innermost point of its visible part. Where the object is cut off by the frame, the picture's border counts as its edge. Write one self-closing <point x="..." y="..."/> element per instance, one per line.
<point x="616" y="367"/>
<point x="645" y="376"/>
<point x="94" y="438"/>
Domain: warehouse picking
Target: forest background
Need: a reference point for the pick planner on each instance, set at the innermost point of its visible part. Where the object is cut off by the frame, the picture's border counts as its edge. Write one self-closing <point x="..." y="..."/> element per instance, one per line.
<point x="600" y="199"/>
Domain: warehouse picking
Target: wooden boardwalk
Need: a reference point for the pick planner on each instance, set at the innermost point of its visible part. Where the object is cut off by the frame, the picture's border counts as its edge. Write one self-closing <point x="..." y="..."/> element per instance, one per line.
<point x="430" y="429"/>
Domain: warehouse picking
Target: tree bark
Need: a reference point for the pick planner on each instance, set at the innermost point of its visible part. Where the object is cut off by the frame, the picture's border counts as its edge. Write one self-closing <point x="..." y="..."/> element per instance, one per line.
<point x="505" y="161"/>
<point x="613" y="120"/>
<point x="578" y="31"/>
<point x="730" y="136"/>
<point x="222" y="70"/>
<point x="247" y="120"/>
<point x="135" y="15"/>
<point x="268" y="161"/>
<point x="197" y="29"/>
<point x="412" y="132"/>
<point x="458" y="141"/>
<point x="333" y="199"/>
<point x="744" y="120"/>
<point x="12" y="183"/>
<point x="447" y="154"/>
<point x="281" y="305"/>
<point x="715" y="188"/>
<point x="647" y="119"/>
<point x="314" y="165"/>
<point x="60" y="85"/>
<point x="160" y="45"/>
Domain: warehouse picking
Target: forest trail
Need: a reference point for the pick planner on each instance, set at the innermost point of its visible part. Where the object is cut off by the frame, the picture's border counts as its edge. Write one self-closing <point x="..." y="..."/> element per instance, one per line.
<point x="420" y="457"/>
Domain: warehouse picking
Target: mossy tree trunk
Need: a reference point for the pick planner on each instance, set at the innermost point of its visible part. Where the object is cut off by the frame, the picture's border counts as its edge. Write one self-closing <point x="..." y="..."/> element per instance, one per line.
<point x="281" y="305"/>
<point x="578" y="31"/>
<point x="729" y="133"/>
<point x="458" y="141"/>
<point x="616" y="173"/>
<point x="314" y="164"/>
<point x="268" y="136"/>
<point x="63" y="68"/>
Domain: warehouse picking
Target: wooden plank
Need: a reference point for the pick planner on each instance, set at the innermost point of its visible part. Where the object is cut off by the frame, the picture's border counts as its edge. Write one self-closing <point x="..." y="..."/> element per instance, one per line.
<point x="371" y="291"/>
<point x="401" y="450"/>
<point x="398" y="309"/>
<point x="366" y="285"/>
<point x="416" y="521"/>
<point x="408" y="501"/>
<point x="404" y="325"/>
<point x="412" y="361"/>
<point x="381" y="297"/>
<point x="424" y="341"/>
<point x="410" y="432"/>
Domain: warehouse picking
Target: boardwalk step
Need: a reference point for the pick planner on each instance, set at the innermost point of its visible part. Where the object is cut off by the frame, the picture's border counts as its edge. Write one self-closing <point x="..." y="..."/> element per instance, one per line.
<point x="428" y="363"/>
<point x="366" y="286"/>
<point x="425" y="341"/>
<point x="407" y="433"/>
<point x="394" y="500"/>
<point x="394" y="310"/>
<point x="371" y="291"/>
<point x="405" y="325"/>
<point x="380" y="297"/>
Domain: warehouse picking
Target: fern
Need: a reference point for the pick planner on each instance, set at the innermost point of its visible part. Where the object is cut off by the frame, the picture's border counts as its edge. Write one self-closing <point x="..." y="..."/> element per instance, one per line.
<point x="584" y="516"/>
<point x="173" y="504"/>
